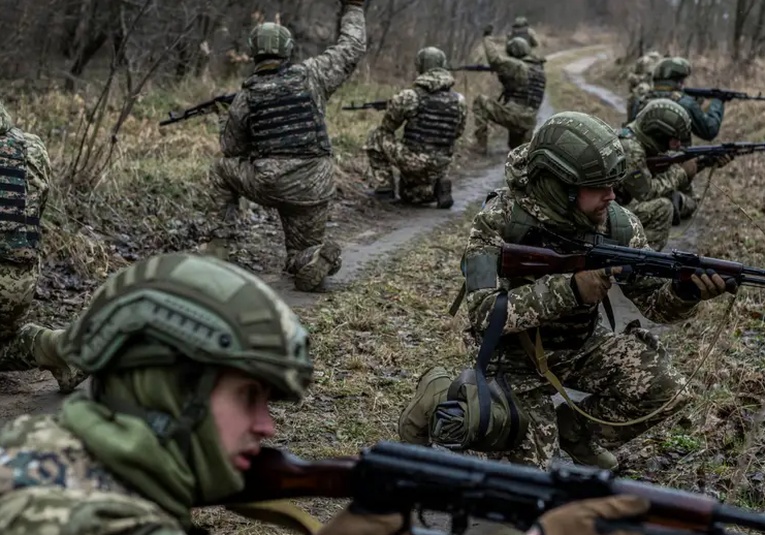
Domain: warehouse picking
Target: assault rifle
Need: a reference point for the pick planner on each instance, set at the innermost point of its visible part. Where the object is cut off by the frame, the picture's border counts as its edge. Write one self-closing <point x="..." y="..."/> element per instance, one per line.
<point x="200" y="109"/>
<point x="404" y="478"/>
<point x="705" y="153"/>
<point x="524" y="260"/>
<point x="722" y="94"/>
<point x="473" y="68"/>
<point x="376" y="105"/>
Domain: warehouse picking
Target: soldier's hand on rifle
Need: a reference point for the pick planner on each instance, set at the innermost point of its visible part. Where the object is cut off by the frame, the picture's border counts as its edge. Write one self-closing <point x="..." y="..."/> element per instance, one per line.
<point x="704" y="285"/>
<point x="580" y="517"/>
<point x="488" y="30"/>
<point x="690" y="167"/>
<point x="720" y="161"/>
<point x="354" y="523"/>
<point x="592" y="286"/>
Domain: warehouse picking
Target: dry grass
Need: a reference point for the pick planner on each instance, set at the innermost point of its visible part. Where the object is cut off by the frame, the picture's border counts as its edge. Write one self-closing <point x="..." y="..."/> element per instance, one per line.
<point x="717" y="445"/>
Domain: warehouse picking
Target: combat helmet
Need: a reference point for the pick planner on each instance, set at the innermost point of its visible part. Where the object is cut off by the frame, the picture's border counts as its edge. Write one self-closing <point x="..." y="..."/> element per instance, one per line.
<point x="518" y="47"/>
<point x="578" y="149"/>
<point x="429" y="58"/>
<point x="271" y="39"/>
<point x="674" y="69"/>
<point x="520" y="22"/>
<point x="176" y="307"/>
<point x="661" y="120"/>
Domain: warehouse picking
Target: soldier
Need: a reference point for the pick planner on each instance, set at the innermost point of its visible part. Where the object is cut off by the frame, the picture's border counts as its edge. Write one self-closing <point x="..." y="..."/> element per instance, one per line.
<point x="640" y="81"/>
<point x="521" y="28"/>
<point x="186" y="353"/>
<point x="24" y="185"/>
<point x="523" y="80"/>
<point x="559" y="188"/>
<point x="433" y="115"/>
<point x="276" y="148"/>
<point x="668" y="80"/>
<point x="663" y="199"/>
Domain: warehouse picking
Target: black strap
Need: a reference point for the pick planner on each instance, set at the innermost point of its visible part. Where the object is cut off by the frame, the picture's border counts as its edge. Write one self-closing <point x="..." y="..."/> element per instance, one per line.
<point x="13" y="172"/>
<point x="609" y="312"/>
<point x="489" y="343"/>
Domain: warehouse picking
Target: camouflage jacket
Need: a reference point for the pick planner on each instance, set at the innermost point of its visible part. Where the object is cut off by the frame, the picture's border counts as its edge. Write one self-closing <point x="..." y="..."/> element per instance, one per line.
<point x="512" y="72"/>
<point x="527" y="33"/>
<point x="704" y="124"/>
<point x="50" y="484"/>
<point x="403" y="106"/>
<point x="326" y="73"/>
<point x="640" y="183"/>
<point x="550" y="297"/>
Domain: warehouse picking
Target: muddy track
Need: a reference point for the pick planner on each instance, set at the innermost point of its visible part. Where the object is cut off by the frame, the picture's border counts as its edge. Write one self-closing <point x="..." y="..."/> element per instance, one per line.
<point x="36" y="392"/>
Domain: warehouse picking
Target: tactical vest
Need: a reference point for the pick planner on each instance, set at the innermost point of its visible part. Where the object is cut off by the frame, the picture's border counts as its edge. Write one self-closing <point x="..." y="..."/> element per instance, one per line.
<point x="623" y="197"/>
<point x="284" y="117"/>
<point x="19" y="215"/>
<point x="572" y="330"/>
<point x="434" y="127"/>
<point x="533" y="92"/>
<point x="520" y="32"/>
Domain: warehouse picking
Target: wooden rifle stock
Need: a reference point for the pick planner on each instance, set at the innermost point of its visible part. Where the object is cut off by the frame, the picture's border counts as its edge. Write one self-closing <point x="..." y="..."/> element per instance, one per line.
<point x="278" y="475"/>
<point x="524" y="260"/>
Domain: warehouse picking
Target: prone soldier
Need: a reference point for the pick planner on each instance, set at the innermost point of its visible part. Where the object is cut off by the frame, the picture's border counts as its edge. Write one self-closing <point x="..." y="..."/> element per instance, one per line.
<point x="560" y="188"/>
<point x="24" y="185"/>
<point x="276" y="147"/>
<point x="523" y="81"/>
<point x="186" y="353"/>
<point x="669" y="77"/>
<point x="433" y="115"/>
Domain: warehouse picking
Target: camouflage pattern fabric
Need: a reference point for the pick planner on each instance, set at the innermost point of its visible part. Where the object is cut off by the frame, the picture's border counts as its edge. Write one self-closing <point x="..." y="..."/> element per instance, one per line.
<point x="518" y="119"/>
<point x="527" y="33"/>
<point x="49" y="483"/>
<point x="705" y="123"/>
<point x="640" y="81"/>
<point x="419" y="170"/>
<point x="300" y="188"/>
<point x="656" y="217"/>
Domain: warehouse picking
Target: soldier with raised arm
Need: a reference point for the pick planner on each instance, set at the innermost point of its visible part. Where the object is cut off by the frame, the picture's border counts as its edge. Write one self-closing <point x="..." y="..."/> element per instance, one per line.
<point x="276" y="147"/>
<point x="433" y="116"/>
<point x="523" y="80"/>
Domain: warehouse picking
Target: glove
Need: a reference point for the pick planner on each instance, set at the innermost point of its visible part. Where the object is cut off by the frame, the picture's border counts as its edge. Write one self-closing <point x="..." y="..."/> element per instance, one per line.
<point x="704" y="285"/>
<point x="690" y="167"/>
<point x="591" y="286"/>
<point x="348" y="523"/>
<point x="358" y="3"/>
<point x="720" y="161"/>
<point x="488" y="30"/>
<point x="580" y="517"/>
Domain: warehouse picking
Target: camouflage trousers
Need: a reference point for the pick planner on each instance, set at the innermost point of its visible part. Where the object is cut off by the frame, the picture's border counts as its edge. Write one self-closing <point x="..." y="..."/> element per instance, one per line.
<point x="418" y="171"/>
<point x="519" y="121"/>
<point x="627" y="375"/>
<point x="686" y="202"/>
<point x="656" y="217"/>
<point x="304" y="224"/>
<point x="17" y="290"/>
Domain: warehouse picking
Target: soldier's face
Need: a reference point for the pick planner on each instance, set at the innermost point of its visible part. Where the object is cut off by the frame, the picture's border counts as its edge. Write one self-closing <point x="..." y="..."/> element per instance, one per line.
<point x="593" y="202"/>
<point x="239" y="406"/>
<point x="675" y="144"/>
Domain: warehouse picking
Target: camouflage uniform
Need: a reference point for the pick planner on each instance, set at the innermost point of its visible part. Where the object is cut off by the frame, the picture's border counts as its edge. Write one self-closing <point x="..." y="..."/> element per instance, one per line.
<point x="434" y="116"/>
<point x="629" y="374"/>
<point x="668" y="78"/>
<point x="524" y="83"/>
<point x="521" y="28"/>
<point x="640" y="81"/>
<point x="279" y="163"/>
<point x="24" y="186"/>
<point x="143" y="447"/>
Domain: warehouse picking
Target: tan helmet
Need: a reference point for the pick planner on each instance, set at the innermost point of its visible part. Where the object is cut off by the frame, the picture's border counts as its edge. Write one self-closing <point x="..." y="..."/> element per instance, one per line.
<point x="518" y="47"/>
<point x="271" y="39"/>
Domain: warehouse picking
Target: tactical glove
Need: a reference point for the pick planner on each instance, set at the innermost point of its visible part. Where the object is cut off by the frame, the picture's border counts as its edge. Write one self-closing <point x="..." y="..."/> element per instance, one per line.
<point x="718" y="161"/>
<point x="582" y="517"/>
<point x="591" y="287"/>
<point x="488" y="30"/>
<point x="348" y="523"/>
<point x="704" y="285"/>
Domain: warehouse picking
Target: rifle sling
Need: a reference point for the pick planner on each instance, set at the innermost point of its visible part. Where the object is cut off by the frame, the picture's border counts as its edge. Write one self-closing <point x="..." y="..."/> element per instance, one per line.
<point x="489" y="343"/>
<point x="458" y="300"/>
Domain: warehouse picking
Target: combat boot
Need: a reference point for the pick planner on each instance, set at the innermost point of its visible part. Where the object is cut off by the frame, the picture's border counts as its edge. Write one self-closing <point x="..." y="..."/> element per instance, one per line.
<point x="578" y="443"/>
<point x="324" y="262"/>
<point x="414" y="421"/>
<point x="443" y="193"/>
<point x="42" y="344"/>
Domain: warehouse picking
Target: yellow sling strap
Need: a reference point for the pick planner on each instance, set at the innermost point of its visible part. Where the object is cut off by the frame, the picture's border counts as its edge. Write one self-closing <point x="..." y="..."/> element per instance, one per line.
<point x="279" y="512"/>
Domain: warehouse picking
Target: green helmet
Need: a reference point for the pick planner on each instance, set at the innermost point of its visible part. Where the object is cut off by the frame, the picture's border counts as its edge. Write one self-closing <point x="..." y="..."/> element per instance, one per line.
<point x="518" y="47"/>
<point x="174" y="307"/>
<point x="578" y="149"/>
<point x="430" y="58"/>
<point x="661" y="120"/>
<point x="675" y="69"/>
<point x="271" y="39"/>
<point x="520" y="22"/>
